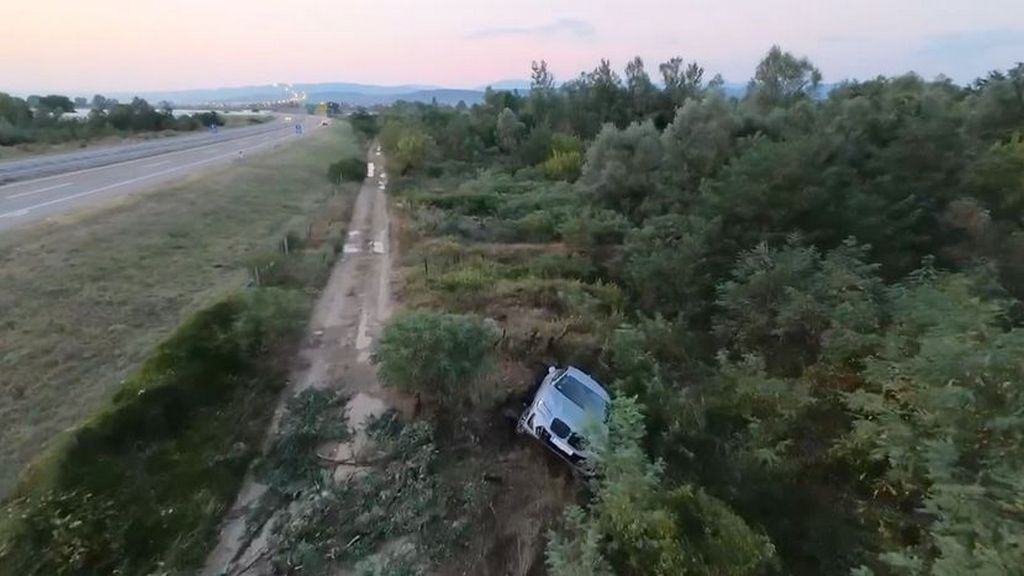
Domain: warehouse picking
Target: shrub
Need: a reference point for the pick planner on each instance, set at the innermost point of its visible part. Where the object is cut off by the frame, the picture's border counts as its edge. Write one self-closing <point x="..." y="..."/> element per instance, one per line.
<point x="348" y="170"/>
<point x="437" y="355"/>
<point x="564" y="166"/>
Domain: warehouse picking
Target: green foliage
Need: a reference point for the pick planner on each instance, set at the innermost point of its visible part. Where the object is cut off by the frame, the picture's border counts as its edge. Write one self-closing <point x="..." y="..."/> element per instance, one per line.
<point x="638" y="526"/>
<point x="670" y="263"/>
<point x="785" y="304"/>
<point x="564" y="166"/>
<point x="940" y="412"/>
<point x="311" y="417"/>
<point x="364" y="123"/>
<point x="411" y="152"/>
<point x="142" y="486"/>
<point x="621" y="171"/>
<point x="441" y="356"/>
<point x="348" y="170"/>
<point x="401" y="498"/>
<point x="782" y="78"/>
<point x="796" y="373"/>
<point x="509" y="130"/>
<point x="699" y="141"/>
<point x="576" y="550"/>
<point x="20" y="124"/>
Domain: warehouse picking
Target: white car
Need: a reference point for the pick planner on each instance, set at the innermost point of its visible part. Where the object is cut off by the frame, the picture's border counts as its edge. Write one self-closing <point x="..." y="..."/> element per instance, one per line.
<point x="567" y="410"/>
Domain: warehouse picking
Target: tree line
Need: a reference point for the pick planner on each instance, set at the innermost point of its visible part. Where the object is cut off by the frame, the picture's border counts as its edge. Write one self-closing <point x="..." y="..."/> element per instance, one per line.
<point x="44" y="119"/>
<point x="817" y="366"/>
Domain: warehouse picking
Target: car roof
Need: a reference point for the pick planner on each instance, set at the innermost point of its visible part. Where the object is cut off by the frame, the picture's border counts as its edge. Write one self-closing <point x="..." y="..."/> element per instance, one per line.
<point x="585" y="379"/>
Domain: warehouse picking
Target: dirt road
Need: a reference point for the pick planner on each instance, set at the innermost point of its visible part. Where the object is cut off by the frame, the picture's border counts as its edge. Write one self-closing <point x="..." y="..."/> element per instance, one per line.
<point x="345" y="322"/>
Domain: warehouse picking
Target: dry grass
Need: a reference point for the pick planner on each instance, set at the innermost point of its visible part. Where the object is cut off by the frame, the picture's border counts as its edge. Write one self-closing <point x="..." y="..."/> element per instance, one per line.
<point x="86" y="299"/>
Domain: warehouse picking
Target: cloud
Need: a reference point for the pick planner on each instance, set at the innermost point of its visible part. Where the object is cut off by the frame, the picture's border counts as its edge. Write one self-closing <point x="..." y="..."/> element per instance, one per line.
<point x="562" y="26"/>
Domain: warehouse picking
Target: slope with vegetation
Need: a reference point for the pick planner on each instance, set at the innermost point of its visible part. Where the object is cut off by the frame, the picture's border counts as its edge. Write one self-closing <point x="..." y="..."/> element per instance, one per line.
<point x="141" y="485"/>
<point x="807" y="307"/>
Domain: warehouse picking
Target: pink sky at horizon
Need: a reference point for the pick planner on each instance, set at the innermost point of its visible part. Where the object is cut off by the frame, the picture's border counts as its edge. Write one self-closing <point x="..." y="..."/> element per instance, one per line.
<point x="113" y="45"/>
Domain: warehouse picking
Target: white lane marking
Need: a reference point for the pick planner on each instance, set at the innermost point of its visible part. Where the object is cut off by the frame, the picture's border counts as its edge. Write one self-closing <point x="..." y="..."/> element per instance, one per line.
<point x="105" y="166"/>
<point x="27" y="209"/>
<point x="155" y="164"/>
<point x="31" y="192"/>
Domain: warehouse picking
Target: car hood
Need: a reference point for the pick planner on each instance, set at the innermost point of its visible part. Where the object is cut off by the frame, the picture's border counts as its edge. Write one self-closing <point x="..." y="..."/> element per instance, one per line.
<point x="556" y="405"/>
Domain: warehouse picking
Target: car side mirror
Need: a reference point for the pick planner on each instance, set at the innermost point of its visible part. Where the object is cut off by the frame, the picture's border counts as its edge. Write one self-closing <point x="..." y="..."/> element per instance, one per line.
<point x="551" y="369"/>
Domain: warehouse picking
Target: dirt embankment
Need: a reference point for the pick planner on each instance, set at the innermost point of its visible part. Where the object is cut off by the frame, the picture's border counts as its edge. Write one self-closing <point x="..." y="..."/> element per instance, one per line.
<point x="337" y="355"/>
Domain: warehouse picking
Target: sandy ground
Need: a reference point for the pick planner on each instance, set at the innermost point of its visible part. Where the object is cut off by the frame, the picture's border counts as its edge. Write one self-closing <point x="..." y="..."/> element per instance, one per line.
<point x="337" y="354"/>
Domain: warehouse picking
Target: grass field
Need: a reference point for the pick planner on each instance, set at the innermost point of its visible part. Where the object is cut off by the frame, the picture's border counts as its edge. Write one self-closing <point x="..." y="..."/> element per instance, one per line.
<point x="85" y="300"/>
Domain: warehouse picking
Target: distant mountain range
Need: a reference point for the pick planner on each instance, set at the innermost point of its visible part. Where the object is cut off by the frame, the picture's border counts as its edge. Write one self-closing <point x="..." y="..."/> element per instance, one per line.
<point x="349" y="93"/>
<point x="345" y="92"/>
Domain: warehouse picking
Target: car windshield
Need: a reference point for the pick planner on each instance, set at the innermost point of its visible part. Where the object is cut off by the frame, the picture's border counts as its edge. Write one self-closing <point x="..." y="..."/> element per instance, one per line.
<point x="581" y="395"/>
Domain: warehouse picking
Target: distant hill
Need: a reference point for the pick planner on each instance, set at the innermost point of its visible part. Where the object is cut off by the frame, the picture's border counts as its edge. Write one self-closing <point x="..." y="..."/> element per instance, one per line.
<point x="345" y="92"/>
<point x="353" y="94"/>
<point x="446" y="96"/>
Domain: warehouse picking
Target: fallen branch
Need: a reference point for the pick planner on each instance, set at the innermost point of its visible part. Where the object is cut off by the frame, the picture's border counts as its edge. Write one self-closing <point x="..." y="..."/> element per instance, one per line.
<point x="251" y="563"/>
<point x="354" y="461"/>
<point x="352" y="541"/>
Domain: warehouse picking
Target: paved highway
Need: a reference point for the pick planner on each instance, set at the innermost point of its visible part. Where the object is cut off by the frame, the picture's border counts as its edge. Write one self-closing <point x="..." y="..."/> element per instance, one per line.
<point x="31" y="200"/>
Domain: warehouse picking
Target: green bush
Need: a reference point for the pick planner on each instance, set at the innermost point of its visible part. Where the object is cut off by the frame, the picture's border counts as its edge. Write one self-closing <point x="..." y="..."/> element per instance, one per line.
<point x="141" y="487"/>
<point x="564" y="166"/>
<point x="440" y="356"/>
<point x="348" y="170"/>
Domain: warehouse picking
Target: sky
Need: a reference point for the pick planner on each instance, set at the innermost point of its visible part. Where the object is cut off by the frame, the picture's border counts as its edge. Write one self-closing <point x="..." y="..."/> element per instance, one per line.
<point x="81" y="47"/>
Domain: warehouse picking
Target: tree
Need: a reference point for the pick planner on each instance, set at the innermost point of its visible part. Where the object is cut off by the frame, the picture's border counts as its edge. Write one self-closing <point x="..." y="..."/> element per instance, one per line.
<point x="700" y="140"/>
<point x="99" y="102"/>
<point x="544" y="101"/>
<point x="942" y="416"/>
<point x="622" y="167"/>
<point x="641" y="90"/>
<point x="648" y="528"/>
<point x="348" y="169"/>
<point x="540" y="79"/>
<point x="606" y="94"/>
<point x="509" y="130"/>
<point x="55" y="105"/>
<point x="786" y="305"/>
<point x="364" y="122"/>
<point x="15" y="110"/>
<point x="997" y="109"/>
<point x="782" y="79"/>
<point x="681" y="83"/>
<point x="439" y="356"/>
<point x="670" y="265"/>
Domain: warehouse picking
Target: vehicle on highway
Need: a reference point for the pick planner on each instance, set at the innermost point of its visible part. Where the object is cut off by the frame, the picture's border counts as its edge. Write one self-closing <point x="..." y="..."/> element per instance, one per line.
<point x="566" y="414"/>
<point x="325" y="123"/>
